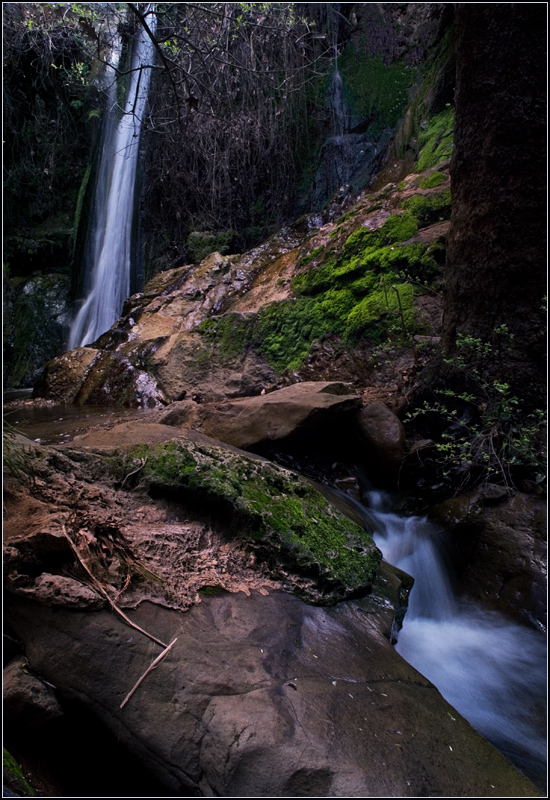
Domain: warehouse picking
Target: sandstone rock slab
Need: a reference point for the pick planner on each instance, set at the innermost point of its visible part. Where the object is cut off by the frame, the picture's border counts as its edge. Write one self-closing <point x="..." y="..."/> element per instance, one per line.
<point x="264" y="696"/>
<point x="248" y="421"/>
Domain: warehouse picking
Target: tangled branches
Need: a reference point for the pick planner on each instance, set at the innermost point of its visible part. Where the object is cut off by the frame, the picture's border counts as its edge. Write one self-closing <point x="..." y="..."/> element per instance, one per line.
<point x="226" y="153"/>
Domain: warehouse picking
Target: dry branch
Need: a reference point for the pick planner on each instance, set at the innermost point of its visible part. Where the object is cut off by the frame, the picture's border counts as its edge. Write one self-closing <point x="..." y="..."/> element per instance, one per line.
<point x="104" y="593"/>
<point x="147" y="671"/>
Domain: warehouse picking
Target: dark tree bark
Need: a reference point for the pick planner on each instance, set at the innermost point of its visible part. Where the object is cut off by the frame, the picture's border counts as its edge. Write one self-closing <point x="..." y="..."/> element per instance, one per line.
<point x="496" y="256"/>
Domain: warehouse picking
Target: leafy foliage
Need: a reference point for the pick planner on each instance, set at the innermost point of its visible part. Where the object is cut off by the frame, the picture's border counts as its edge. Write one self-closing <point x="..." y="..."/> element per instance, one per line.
<point x="48" y="97"/>
<point x="485" y="434"/>
<point x="229" y="110"/>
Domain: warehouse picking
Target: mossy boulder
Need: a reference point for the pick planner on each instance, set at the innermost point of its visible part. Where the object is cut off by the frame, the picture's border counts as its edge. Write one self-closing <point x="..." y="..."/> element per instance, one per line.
<point x="36" y="324"/>
<point x="295" y="533"/>
<point x="429" y="209"/>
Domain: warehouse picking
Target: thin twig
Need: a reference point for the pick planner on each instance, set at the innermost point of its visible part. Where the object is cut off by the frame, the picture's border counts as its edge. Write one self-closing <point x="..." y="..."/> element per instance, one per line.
<point x="102" y="591"/>
<point x="147" y="671"/>
<point x="142" y="464"/>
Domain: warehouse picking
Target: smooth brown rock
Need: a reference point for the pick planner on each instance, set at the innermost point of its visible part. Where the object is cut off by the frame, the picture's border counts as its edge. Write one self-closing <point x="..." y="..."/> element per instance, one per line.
<point x="62" y="377"/>
<point x="28" y="701"/>
<point x="248" y="421"/>
<point x="498" y="545"/>
<point x="384" y="437"/>
<point x="186" y="365"/>
<point x="264" y="696"/>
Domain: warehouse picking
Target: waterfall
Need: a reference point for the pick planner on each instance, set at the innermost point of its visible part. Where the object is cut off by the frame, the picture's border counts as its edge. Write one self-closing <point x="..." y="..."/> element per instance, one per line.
<point x="493" y="671"/>
<point x="338" y="105"/>
<point x="109" y="257"/>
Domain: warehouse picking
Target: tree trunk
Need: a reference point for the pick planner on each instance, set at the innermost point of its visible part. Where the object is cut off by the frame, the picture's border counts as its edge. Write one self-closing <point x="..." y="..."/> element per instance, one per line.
<point x="496" y="256"/>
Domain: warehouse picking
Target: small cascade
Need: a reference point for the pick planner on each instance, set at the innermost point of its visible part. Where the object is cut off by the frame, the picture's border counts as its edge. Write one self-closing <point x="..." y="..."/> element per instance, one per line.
<point x="340" y="117"/>
<point x="492" y="670"/>
<point x="110" y="240"/>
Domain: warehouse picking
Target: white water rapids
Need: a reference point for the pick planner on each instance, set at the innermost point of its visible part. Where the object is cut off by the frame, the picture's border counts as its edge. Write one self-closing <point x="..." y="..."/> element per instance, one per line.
<point x="108" y="283"/>
<point x="492" y="670"/>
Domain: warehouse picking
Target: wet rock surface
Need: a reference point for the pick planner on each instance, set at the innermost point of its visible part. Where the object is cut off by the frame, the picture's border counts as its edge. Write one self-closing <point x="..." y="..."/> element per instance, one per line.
<point x="320" y="405"/>
<point x="384" y="437"/>
<point x="266" y="696"/>
<point x="498" y="540"/>
<point x="262" y="694"/>
<point x="62" y="378"/>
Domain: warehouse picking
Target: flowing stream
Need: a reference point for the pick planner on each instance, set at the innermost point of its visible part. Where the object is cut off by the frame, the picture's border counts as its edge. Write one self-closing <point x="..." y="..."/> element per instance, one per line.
<point x="492" y="670"/>
<point x="110" y="243"/>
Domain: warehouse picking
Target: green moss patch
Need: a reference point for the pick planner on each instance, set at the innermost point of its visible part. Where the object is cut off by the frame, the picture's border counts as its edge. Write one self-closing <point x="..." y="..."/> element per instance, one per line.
<point x="229" y="335"/>
<point x="14" y="778"/>
<point x="349" y="294"/>
<point x="277" y="513"/>
<point x="429" y="209"/>
<point x="387" y="310"/>
<point x="433" y="180"/>
<point x="436" y="140"/>
<point x="344" y="295"/>
<point x="373" y="89"/>
<point x="312" y="255"/>
<point x="397" y="228"/>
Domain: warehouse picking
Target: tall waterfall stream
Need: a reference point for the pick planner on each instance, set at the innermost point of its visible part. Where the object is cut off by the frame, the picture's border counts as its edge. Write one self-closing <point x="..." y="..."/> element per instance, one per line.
<point x="492" y="670"/>
<point x="110" y="243"/>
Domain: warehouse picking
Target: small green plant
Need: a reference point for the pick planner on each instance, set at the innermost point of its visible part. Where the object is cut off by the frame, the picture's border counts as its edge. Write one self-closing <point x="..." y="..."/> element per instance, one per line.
<point x="484" y="435"/>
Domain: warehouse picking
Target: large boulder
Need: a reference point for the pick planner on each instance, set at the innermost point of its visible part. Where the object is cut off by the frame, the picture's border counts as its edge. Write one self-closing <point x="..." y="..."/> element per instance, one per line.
<point x="264" y="520"/>
<point x="264" y="696"/>
<point x="384" y="439"/>
<point x="497" y="540"/>
<point x="61" y="378"/>
<point x="319" y="405"/>
<point x="261" y="694"/>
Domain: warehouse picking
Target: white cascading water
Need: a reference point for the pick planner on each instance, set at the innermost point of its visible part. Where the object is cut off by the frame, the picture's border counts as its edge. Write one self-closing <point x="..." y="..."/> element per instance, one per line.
<point x="338" y="106"/>
<point x="492" y="670"/>
<point x="108" y="283"/>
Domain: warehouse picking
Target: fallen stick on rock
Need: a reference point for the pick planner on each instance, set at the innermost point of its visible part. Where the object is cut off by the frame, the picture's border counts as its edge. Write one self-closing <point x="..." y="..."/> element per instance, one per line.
<point x="147" y="671"/>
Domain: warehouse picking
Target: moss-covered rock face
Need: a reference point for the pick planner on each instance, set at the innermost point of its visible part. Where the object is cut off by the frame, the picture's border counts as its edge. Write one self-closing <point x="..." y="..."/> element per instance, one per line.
<point x="14" y="778"/>
<point x="435" y="179"/>
<point x="293" y="530"/>
<point x="36" y="324"/>
<point x="238" y="325"/>
<point x="360" y="292"/>
<point x="375" y="91"/>
<point x="436" y="140"/>
<point x="429" y="209"/>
